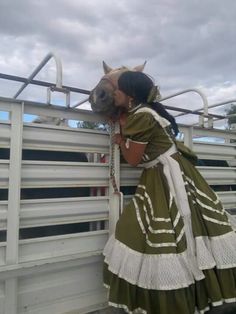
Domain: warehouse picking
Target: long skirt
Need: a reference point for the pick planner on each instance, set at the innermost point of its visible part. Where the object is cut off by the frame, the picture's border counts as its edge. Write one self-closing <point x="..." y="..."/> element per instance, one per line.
<point x="174" y="249"/>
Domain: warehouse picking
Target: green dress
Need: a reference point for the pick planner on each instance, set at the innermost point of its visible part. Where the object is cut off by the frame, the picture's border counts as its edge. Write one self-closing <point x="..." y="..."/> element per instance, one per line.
<point x="174" y="250"/>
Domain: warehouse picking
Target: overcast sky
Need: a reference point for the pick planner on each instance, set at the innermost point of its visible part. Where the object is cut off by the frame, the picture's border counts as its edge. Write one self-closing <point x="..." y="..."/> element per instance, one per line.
<point x="187" y="43"/>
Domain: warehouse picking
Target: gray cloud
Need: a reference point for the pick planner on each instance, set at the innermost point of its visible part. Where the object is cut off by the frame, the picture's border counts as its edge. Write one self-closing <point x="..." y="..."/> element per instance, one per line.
<point x="186" y="43"/>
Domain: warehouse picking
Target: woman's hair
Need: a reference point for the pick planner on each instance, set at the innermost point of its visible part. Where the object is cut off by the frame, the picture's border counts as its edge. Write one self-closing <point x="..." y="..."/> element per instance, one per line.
<point x="139" y="86"/>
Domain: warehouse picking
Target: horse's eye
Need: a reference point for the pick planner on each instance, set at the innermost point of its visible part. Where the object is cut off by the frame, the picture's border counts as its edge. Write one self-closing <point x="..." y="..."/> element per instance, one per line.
<point x="102" y="94"/>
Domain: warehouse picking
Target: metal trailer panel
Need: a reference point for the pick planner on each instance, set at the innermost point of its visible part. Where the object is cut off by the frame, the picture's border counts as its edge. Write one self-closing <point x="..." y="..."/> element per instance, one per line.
<point x="42" y="212"/>
<point x="43" y="248"/>
<point x="63" y="273"/>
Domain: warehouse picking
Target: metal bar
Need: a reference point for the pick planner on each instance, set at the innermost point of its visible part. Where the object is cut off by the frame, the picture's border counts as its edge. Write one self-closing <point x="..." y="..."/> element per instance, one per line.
<point x="80" y="103"/>
<point x="222" y="103"/>
<point x="230" y="115"/>
<point x="87" y="92"/>
<point x="38" y="69"/>
<point x="212" y="106"/>
<point x="188" y="137"/>
<point x="12" y="249"/>
<point x="42" y="83"/>
<point x="224" y="117"/>
<point x="14" y="184"/>
<point x="203" y="97"/>
<point x="187" y="111"/>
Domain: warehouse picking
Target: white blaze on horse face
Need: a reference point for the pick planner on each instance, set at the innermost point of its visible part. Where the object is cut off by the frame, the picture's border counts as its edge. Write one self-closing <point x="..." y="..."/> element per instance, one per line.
<point x="94" y="98"/>
<point x="102" y="96"/>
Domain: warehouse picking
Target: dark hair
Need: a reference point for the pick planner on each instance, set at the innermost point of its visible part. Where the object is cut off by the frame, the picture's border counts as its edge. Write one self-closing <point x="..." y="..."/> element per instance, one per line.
<point x="138" y="86"/>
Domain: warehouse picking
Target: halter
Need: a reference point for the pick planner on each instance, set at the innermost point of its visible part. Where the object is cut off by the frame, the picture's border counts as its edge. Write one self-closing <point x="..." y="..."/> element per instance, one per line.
<point x="108" y="79"/>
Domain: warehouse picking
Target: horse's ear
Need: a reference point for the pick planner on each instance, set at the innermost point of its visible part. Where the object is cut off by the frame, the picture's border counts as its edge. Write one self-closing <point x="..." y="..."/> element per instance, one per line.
<point x="140" y="68"/>
<point x="106" y="68"/>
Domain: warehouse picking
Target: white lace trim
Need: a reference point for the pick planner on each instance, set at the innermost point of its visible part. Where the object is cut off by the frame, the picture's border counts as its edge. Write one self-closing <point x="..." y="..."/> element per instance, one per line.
<point x="223" y="249"/>
<point x="150" y="243"/>
<point x="162" y="121"/>
<point x="164" y="244"/>
<point x="221" y="212"/>
<point x="142" y="311"/>
<point x="202" y="311"/>
<point x="137" y="142"/>
<point x="148" y="200"/>
<point x="216" y="221"/>
<point x="180" y="236"/>
<point x="205" y="196"/>
<point x="216" y="251"/>
<point x="156" y="231"/>
<point x="215" y="304"/>
<point x="171" y="199"/>
<point x="156" y="219"/>
<point x="150" y="271"/>
<point x="146" y="214"/>
<point x="145" y="157"/>
<point x="138" y="310"/>
<point x="150" y="204"/>
<point x="232" y="300"/>
<point x="170" y="271"/>
<point x="232" y="220"/>
<point x="200" y="192"/>
<point x="177" y="218"/>
<point x="138" y="216"/>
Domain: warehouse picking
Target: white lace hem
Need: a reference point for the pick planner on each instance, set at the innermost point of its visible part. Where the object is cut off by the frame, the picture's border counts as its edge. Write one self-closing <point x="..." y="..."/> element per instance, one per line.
<point x="232" y="220"/>
<point x="170" y="271"/>
<point x="126" y="309"/>
<point x="142" y="311"/>
<point x="216" y="251"/>
<point x="223" y="249"/>
<point x="149" y="271"/>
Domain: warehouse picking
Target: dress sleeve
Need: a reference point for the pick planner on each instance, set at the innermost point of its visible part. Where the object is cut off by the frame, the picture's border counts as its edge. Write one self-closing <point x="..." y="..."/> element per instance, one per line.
<point x="139" y="127"/>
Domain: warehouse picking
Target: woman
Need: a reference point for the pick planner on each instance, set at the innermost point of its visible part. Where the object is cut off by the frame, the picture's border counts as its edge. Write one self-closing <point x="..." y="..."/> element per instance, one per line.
<point x="173" y="250"/>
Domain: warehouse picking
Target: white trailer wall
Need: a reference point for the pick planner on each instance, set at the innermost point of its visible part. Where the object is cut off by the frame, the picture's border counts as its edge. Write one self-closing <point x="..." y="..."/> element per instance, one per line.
<point x="63" y="273"/>
<point x="60" y="273"/>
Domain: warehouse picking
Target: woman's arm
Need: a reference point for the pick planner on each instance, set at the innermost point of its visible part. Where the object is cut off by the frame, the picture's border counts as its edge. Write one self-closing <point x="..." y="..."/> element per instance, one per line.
<point x="133" y="153"/>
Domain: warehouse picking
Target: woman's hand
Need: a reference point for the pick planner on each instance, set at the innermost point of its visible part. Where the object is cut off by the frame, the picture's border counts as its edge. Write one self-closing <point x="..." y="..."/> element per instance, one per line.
<point x="132" y="152"/>
<point x="122" y="120"/>
<point x="118" y="138"/>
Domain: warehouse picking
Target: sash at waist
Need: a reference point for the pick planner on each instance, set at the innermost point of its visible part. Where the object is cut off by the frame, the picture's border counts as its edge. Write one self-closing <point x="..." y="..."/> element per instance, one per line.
<point x="155" y="161"/>
<point x="174" y="178"/>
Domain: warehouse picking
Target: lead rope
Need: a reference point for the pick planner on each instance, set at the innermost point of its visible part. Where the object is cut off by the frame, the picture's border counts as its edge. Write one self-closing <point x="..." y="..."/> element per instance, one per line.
<point x="112" y="168"/>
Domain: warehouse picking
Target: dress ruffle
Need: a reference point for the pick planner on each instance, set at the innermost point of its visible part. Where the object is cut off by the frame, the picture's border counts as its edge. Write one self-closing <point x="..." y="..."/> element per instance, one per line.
<point x="170" y="271"/>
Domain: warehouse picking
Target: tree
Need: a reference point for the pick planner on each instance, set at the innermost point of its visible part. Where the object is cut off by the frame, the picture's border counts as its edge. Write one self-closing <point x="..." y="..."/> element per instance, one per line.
<point x="232" y="119"/>
<point x="92" y="125"/>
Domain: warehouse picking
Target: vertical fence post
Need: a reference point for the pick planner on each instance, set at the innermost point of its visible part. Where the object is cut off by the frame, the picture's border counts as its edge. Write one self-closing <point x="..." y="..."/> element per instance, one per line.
<point x="14" y="204"/>
<point x="188" y="137"/>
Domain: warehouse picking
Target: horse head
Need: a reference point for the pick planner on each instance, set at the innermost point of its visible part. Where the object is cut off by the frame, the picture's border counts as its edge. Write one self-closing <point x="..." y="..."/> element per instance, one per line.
<point x="102" y="96"/>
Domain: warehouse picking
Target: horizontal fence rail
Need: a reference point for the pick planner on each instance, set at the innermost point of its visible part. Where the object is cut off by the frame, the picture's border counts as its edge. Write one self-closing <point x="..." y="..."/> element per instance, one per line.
<point x="58" y="265"/>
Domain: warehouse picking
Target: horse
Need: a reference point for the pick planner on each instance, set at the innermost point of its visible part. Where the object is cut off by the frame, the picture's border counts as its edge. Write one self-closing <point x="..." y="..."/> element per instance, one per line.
<point x="102" y="96"/>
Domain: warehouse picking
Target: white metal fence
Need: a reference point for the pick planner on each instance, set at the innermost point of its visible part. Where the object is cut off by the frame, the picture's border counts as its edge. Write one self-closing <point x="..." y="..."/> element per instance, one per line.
<point x="61" y="273"/>
<point x="56" y="273"/>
